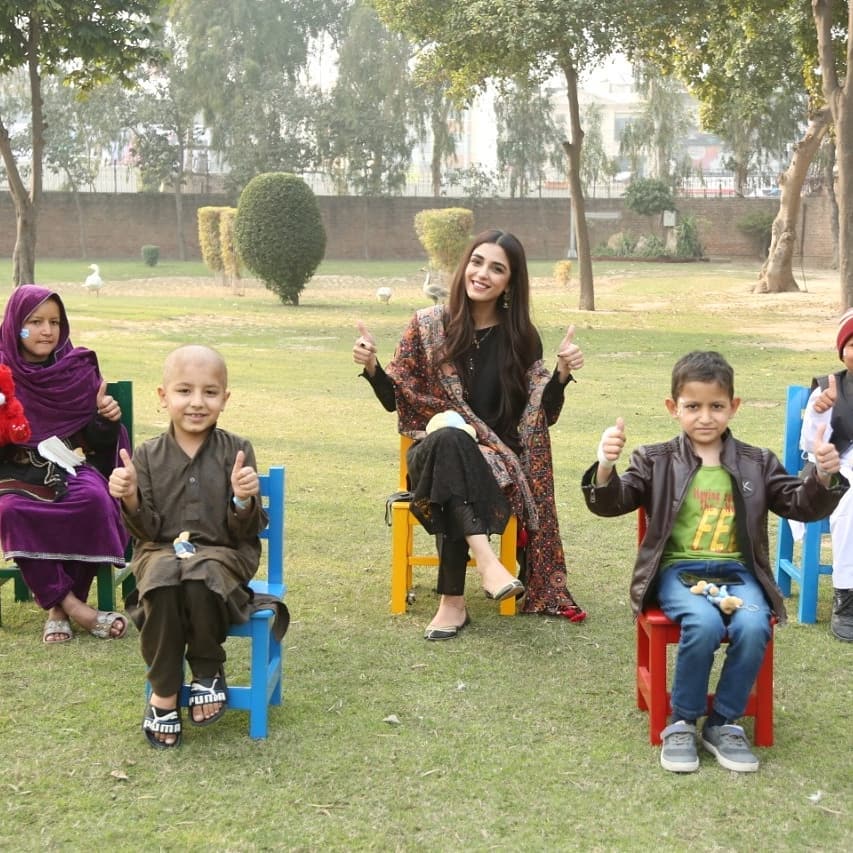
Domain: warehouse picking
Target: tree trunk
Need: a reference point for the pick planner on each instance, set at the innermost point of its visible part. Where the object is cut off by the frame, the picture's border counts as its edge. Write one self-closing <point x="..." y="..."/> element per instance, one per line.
<point x="777" y="274"/>
<point x="26" y="203"/>
<point x="829" y="182"/>
<point x="741" y="170"/>
<point x="438" y="120"/>
<point x="179" y="216"/>
<point x="24" y="253"/>
<point x="572" y="148"/>
<point x="843" y="112"/>
<point x="839" y="99"/>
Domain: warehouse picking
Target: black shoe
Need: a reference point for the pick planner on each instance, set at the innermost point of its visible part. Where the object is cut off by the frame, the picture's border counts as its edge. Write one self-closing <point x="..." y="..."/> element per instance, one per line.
<point x="446" y="632"/>
<point x="208" y="691"/>
<point x="514" y="589"/>
<point x="841" y="623"/>
<point x="162" y="721"/>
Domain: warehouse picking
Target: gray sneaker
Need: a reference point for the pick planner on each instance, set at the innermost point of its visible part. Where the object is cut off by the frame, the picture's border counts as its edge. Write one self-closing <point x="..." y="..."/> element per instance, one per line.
<point x="731" y="747"/>
<point x="841" y="623"/>
<point x="679" y="748"/>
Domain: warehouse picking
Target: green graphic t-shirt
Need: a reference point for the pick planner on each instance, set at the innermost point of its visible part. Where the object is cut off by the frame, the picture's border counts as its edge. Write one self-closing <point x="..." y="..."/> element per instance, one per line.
<point x="705" y="526"/>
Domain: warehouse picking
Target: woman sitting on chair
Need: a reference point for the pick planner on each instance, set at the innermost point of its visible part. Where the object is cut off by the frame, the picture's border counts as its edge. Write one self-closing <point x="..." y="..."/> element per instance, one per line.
<point x="59" y="526"/>
<point x="478" y="362"/>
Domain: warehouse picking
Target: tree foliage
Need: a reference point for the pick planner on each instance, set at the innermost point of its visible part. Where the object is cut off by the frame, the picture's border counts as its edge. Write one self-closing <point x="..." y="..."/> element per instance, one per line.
<point x="750" y="63"/>
<point x="528" y="135"/>
<point x="79" y="126"/>
<point x="475" y="42"/>
<point x="438" y="110"/>
<point x="595" y="164"/>
<point x="665" y="119"/>
<point x="279" y="233"/>
<point x="246" y="62"/>
<point x="81" y="43"/>
<point x="648" y="196"/>
<point x="373" y="108"/>
<point x="749" y="80"/>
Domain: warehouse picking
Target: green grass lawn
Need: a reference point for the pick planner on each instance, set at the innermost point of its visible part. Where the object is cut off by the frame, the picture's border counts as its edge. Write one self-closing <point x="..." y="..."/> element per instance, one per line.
<point x="524" y="733"/>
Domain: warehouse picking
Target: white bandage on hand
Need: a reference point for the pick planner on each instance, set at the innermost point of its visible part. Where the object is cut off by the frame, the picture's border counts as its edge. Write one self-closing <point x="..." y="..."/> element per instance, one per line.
<point x="603" y="461"/>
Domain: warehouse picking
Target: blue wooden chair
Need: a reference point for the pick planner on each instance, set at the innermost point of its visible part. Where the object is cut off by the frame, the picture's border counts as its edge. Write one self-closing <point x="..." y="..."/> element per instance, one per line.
<point x="108" y="577"/>
<point x="265" y="669"/>
<point x="807" y="568"/>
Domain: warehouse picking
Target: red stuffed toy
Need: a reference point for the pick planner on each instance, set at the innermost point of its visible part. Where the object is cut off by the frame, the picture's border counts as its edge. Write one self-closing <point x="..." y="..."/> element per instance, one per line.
<point x="14" y="426"/>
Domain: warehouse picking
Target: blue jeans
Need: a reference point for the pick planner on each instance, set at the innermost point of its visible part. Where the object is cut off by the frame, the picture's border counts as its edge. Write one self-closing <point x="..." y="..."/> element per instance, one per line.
<point x="703" y="626"/>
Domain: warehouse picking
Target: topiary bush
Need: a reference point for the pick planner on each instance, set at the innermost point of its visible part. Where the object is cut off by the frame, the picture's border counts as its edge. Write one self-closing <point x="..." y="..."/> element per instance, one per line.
<point x="648" y="196"/>
<point x="563" y="273"/>
<point x="444" y="234"/>
<point x="279" y="233"/>
<point x="208" y="238"/>
<point x="230" y="256"/>
<point x="150" y="255"/>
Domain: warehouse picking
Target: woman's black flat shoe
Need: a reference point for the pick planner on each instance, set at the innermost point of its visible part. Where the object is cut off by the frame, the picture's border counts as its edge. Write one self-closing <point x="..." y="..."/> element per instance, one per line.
<point x="446" y="633"/>
<point x="515" y="589"/>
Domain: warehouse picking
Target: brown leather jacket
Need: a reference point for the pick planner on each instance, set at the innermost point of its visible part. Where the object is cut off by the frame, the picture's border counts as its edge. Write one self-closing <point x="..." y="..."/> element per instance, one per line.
<point x="657" y="479"/>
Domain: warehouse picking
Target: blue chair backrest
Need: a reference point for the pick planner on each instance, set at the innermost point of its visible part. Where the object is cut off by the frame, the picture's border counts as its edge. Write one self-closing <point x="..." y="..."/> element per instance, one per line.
<point x="792" y="457"/>
<point x="272" y="493"/>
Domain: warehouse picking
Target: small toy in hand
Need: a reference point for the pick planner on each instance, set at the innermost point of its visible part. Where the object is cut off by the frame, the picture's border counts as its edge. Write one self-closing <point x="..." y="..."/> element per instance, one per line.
<point x="184" y="549"/>
<point x="450" y="419"/>
<point x="14" y="426"/>
<point x="718" y="595"/>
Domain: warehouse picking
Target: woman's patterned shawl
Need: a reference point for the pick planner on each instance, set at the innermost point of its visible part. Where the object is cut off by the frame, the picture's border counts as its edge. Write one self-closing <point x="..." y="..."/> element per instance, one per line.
<point x="422" y="390"/>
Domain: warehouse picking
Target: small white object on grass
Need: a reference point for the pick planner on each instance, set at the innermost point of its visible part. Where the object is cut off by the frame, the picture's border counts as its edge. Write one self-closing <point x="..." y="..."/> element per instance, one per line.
<point x="94" y="280"/>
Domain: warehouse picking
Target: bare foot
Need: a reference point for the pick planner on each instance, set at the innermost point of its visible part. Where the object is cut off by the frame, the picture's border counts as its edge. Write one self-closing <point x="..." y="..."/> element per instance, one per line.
<point x="163" y="704"/>
<point x="87" y="617"/>
<point x="451" y="612"/>
<point x="57" y="629"/>
<point x="208" y="699"/>
<point x="494" y="575"/>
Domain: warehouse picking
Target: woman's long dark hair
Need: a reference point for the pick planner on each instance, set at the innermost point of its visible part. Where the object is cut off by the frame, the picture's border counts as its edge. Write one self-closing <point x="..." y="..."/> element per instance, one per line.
<point x="519" y="337"/>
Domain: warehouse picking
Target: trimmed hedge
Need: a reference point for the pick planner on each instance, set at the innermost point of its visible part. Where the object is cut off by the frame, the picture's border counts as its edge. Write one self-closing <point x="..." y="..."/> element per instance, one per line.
<point x="208" y="237"/>
<point x="228" y="250"/>
<point x="150" y="255"/>
<point x="444" y="234"/>
<point x="279" y="232"/>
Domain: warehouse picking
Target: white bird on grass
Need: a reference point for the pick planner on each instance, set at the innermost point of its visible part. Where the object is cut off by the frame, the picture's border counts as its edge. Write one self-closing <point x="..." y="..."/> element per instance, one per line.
<point x="94" y="280"/>
<point x="434" y="291"/>
<point x="383" y="294"/>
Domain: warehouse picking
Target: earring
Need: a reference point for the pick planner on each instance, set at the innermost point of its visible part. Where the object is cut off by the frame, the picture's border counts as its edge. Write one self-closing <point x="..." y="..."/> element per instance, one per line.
<point x="507" y="299"/>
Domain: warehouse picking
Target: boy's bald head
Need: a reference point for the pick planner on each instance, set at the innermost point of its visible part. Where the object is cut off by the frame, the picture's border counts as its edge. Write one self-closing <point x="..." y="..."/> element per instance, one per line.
<point x="193" y="354"/>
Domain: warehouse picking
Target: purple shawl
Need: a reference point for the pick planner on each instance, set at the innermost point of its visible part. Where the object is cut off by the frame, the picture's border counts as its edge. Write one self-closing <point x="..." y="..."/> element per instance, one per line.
<point x="59" y="397"/>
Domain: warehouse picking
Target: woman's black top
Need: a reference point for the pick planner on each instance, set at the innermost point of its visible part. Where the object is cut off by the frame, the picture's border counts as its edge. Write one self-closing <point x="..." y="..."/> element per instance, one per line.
<point x="480" y="373"/>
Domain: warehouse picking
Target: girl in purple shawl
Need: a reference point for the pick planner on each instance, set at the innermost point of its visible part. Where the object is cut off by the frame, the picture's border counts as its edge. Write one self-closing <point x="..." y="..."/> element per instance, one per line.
<point x="59" y="527"/>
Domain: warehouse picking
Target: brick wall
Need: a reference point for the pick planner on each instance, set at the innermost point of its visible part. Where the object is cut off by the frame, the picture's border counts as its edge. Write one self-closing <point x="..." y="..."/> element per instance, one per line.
<point x="118" y="225"/>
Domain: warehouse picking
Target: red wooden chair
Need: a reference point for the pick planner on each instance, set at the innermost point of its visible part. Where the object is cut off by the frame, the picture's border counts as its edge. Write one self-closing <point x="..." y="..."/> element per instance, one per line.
<point x="655" y="631"/>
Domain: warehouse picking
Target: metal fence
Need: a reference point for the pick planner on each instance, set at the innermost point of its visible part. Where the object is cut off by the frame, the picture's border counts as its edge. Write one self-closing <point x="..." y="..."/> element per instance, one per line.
<point x="115" y="178"/>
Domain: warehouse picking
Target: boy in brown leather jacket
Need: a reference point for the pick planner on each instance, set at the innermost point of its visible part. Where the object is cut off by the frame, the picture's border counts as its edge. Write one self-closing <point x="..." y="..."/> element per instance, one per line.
<point x="706" y="496"/>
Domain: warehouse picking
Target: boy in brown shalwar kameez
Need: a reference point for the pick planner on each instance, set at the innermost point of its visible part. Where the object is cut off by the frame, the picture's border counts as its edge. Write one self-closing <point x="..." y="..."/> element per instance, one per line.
<point x="190" y="498"/>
